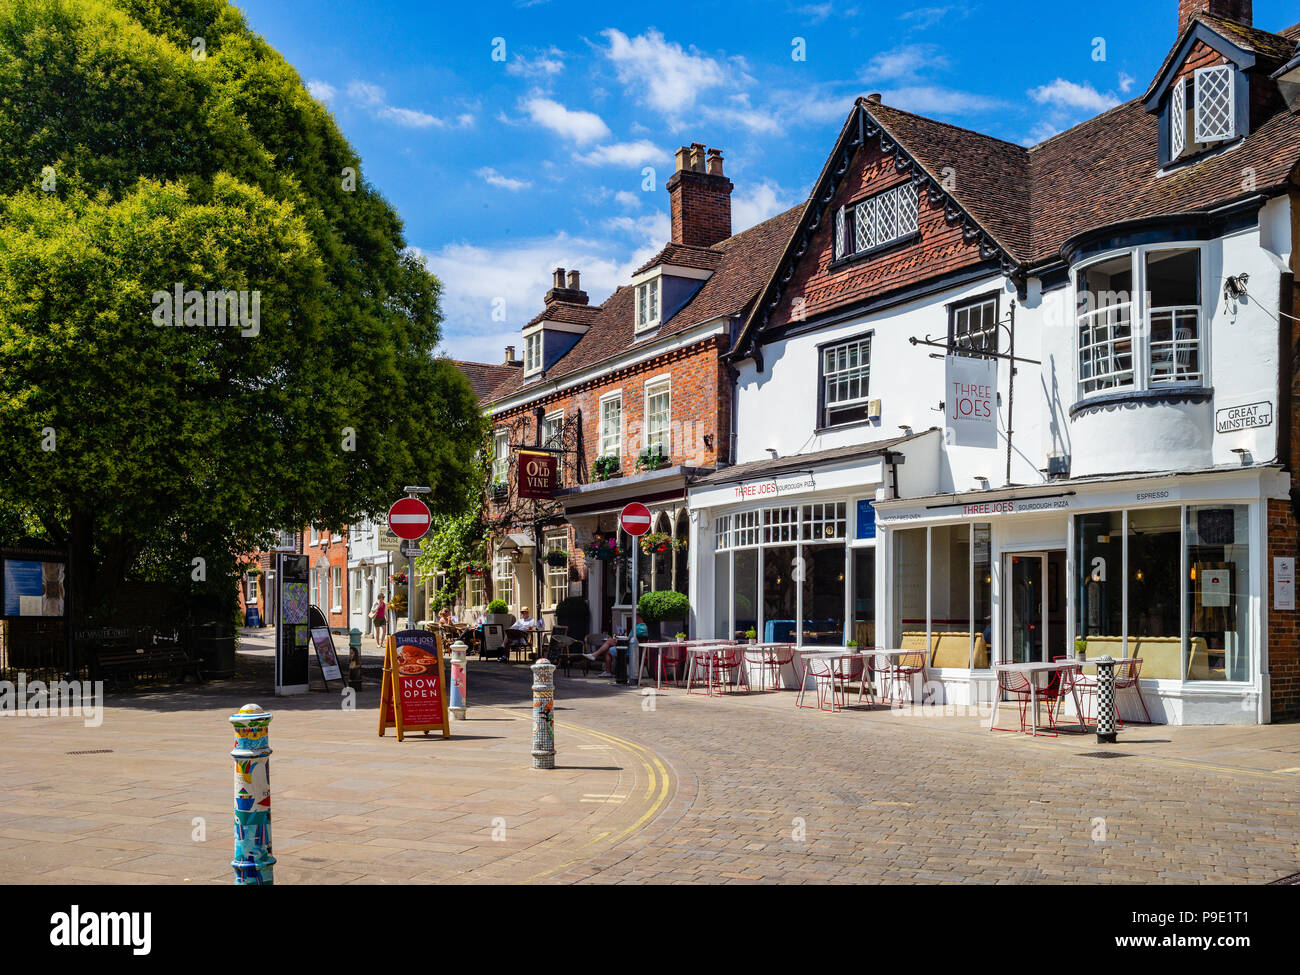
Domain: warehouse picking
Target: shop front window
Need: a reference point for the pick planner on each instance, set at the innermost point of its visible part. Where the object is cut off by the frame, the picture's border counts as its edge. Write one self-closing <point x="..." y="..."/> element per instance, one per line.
<point x="950" y="597"/>
<point x="1154" y="595"/>
<point x="982" y="586"/>
<point x="1218" y="593"/>
<point x="864" y="597"/>
<point x="780" y="594"/>
<point x="823" y="595"/>
<point x="909" y="589"/>
<point x="722" y="595"/>
<point x="746" y="592"/>
<point x="1099" y="543"/>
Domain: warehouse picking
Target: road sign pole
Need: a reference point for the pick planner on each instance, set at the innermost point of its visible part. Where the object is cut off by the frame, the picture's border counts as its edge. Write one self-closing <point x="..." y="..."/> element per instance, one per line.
<point x="633" y="647"/>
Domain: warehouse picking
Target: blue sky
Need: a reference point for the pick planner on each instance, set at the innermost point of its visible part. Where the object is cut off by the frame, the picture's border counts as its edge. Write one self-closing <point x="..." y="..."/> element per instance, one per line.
<point x="504" y="169"/>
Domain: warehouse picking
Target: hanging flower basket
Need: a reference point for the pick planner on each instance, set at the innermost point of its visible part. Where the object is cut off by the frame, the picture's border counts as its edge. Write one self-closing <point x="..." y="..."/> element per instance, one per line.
<point x="657" y="543"/>
<point x="604" y="549"/>
<point x="557" y="558"/>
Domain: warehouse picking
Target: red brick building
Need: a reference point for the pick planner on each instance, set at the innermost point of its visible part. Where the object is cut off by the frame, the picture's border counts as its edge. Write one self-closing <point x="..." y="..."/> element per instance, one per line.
<point x="632" y="398"/>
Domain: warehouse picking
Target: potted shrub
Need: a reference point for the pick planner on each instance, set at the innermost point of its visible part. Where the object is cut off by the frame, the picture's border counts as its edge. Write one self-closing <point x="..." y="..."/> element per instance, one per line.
<point x="1080" y="647"/>
<point x="607" y="467"/>
<point x="751" y="635"/>
<point x="498" y="612"/>
<point x="573" y="612"/>
<point x="662" y="605"/>
<point x="681" y="636"/>
<point x="557" y="558"/>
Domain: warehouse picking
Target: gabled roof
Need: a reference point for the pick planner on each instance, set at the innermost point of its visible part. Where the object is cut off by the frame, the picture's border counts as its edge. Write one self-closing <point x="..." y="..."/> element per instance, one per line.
<point x="1026" y="204"/>
<point x="740" y="265"/>
<point x="1240" y="43"/>
<point x="484" y="377"/>
<point x="569" y="312"/>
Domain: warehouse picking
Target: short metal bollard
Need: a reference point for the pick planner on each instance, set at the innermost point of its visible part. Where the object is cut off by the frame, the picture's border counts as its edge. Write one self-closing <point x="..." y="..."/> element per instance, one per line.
<point x="253" y="861"/>
<point x="1105" y="700"/>
<point x="459" y="697"/>
<point x="354" y="661"/>
<point x="543" y="714"/>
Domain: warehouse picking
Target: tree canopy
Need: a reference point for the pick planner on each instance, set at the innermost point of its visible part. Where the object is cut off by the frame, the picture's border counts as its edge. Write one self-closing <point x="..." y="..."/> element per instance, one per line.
<point x="159" y="153"/>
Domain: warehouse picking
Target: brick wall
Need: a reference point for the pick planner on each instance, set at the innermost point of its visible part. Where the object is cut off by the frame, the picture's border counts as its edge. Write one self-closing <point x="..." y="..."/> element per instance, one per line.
<point x="699" y="208"/>
<point x="336" y="553"/>
<point x="940" y="249"/>
<point x="1284" y="542"/>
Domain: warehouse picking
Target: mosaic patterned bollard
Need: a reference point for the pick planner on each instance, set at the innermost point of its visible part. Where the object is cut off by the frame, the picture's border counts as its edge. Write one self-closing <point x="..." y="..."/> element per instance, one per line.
<point x="543" y="714"/>
<point x="253" y="862"/>
<point x="459" y="698"/>
<point x="1105" y="700"/>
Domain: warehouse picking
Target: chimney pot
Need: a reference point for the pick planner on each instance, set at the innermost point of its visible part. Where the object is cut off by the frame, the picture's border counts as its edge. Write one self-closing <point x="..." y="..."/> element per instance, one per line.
<point x="697" y="157"/>
<point x="557" y="279"/>
<point x="510" y="354"/>
<point x="683" y="159"/>
<point x="715" y="162"/>
<point x="573" y="281"/>
<point x="874" y="98"/>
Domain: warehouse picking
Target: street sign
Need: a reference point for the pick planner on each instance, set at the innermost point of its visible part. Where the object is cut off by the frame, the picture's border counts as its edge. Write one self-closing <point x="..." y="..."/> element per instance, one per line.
<point x="411" y="549"/>
<point x="635" y="519"/>
<point x="409" y="518"/>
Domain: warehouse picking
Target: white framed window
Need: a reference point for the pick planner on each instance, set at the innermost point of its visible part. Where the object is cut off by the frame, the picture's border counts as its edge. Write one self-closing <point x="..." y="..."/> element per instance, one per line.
<point x="313" y="536"/>
<point x="557" y="576"/>
<point x="336" y="588"/>
<point x="252" y="589"/>
<point x="1178" y="119"/>
<point x="475" y="592"/>
<point x="533" y="353"/>
<point x="877" y="220"/>
<point x="611" y="426"/>
<point x="973" y="325"/>
<point x="824" y="521"/>
<point x="647" y="304"/>
<point x="500" y="455"/>
<point x="503" y="577"/>
<point x="658" y="415"/>
<point x="845" y="381"/>
<point x="1214" y="103"/>
<point x="553" y="429"/>
<point x="357" y="597"/>
<point x="1160" y="286"/>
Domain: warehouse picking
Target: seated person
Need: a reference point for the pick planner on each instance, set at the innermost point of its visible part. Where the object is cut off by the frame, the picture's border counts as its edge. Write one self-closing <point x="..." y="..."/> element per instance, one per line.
<point x="604" y="654"/>
<point x="445" y="618"/>
<point x="526" y="622"/>
<point x="472" y="630"/>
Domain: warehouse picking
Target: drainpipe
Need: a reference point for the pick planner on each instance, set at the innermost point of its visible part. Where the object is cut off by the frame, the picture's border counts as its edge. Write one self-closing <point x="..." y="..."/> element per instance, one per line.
<point x="1286" y="371"/>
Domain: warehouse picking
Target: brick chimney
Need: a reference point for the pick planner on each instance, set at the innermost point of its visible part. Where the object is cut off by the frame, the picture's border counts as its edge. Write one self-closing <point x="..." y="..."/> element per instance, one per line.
<point x="699" y="197"/>
<point x="510" y="357"/>
<point x="1238" y="10"/>
<point x="569" y="291"/>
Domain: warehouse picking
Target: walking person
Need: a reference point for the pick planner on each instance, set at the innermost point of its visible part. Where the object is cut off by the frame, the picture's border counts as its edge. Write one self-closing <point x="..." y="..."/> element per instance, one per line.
<point x="379" y="613"/>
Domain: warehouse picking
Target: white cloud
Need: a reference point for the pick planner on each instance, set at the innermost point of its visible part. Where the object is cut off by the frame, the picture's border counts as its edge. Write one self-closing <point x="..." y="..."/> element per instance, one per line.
<point x="628" y="199"/>
<point x="373" y="98"/>
<point x="816" y="12"/>
<point x="904" y="62"/>
<point x="937" y="100"/>
<point x="636" y="153"/>
<point x="663" y="74"/>
<point x="547" y="64"/>
<point x="493" y="178"/>
<point x="766" y="199"/>
<point x="742" y="115"/>
<point x="924" y="17"/>
<point x="582" y="127"/>
<point x="1126" y="82"/>
<point x="321" y="91"/>
<point x="1064" y="94"/>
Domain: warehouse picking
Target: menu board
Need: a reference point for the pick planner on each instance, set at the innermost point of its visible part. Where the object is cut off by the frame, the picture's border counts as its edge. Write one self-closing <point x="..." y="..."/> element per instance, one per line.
<point x="412" y="697"/>
<point x="325" y="654"/>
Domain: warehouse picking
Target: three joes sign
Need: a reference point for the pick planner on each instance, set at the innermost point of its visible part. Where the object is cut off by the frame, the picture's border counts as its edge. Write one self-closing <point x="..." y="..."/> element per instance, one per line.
<point x="538" y="474"/>
<point x="970" y="401"/>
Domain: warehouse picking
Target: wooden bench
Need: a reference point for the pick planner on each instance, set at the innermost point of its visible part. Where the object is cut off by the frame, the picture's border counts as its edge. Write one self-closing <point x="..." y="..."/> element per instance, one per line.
<point x="113" y="662"/>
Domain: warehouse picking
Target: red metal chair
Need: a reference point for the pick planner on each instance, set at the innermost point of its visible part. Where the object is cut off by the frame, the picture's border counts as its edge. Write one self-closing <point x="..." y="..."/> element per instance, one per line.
<point x="729" y="665"/>
<point x="1016" y="684"/>
<point x="674" y="657"/>
<point x="774" y="658"/>
<point x="1127" y="675"/>
<point x="908" y="665"/>
<point x="1063" y="684"/>
<point x="831" y="677"/>
<point x="876" y="670"/>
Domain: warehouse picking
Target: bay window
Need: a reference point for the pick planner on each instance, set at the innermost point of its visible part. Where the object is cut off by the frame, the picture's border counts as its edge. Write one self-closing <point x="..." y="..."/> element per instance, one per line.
<point x="1139" y="320"/>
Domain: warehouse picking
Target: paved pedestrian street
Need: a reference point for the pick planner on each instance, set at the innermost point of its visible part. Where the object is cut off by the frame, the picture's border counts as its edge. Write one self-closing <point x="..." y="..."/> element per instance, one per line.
<point x="649" y="788"/>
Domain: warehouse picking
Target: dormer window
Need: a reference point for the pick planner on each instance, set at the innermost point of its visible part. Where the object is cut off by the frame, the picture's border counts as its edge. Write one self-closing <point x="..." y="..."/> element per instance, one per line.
<point x="876" y="221"/>
<point x="533" y="353"/>
<point x="647" y="304"/>
<point x="1202" y="110"/>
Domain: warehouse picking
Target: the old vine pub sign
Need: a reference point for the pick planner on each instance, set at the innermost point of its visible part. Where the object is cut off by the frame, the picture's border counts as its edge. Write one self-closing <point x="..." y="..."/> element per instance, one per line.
<point x="537" y="474"/>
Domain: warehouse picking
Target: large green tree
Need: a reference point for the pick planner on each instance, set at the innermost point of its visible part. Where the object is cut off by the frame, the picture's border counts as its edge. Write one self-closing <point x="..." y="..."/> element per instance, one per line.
<point x="157" y="147"/>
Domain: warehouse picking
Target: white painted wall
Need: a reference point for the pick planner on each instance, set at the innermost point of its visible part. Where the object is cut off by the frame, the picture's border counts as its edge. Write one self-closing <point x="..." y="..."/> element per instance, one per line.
<point x="778" y="408"/>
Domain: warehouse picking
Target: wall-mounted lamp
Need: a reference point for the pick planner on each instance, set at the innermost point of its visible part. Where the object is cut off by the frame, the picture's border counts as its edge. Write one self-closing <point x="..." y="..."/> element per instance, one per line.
<point x="1235" y="287"/>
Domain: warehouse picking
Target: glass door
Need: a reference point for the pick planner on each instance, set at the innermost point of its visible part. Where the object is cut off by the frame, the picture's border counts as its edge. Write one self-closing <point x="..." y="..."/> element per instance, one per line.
<point x="1026" y="572"/>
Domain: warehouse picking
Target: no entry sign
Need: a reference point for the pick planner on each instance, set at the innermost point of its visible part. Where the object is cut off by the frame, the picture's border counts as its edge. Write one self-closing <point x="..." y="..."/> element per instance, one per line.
<point x="635" y="519"/>
<point x="409" y="518"/>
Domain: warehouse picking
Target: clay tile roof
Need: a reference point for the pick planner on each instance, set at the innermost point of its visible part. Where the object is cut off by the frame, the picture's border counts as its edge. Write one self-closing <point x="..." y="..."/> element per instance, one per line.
<point x="484" y="377"/>
<point x="1271" y="46"/>
<point x="991" y="176"/>
<point x="568" y="312"/>
<point x="741" y="265"/>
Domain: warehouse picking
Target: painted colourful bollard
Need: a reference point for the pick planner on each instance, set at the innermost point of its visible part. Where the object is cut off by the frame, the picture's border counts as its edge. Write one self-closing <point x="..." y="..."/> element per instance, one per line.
<point x="543" y="714"/>
<point x="1105" y="700"/>
<point x="253" y="861"/>
<point x="354" y="659"/>
<point x="459" y="685"/>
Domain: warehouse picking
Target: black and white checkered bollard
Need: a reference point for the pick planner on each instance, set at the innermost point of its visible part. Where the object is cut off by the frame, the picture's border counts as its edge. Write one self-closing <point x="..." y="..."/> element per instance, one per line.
<point x="1105" y="700"/>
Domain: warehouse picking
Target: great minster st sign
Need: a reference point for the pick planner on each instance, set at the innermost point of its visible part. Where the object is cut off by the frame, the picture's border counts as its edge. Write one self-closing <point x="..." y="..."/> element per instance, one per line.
<point x="1232" y="418"/>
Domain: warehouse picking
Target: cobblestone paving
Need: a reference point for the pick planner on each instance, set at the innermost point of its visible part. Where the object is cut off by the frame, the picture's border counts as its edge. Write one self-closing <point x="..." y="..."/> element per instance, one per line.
<point x="771" y="794"/>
